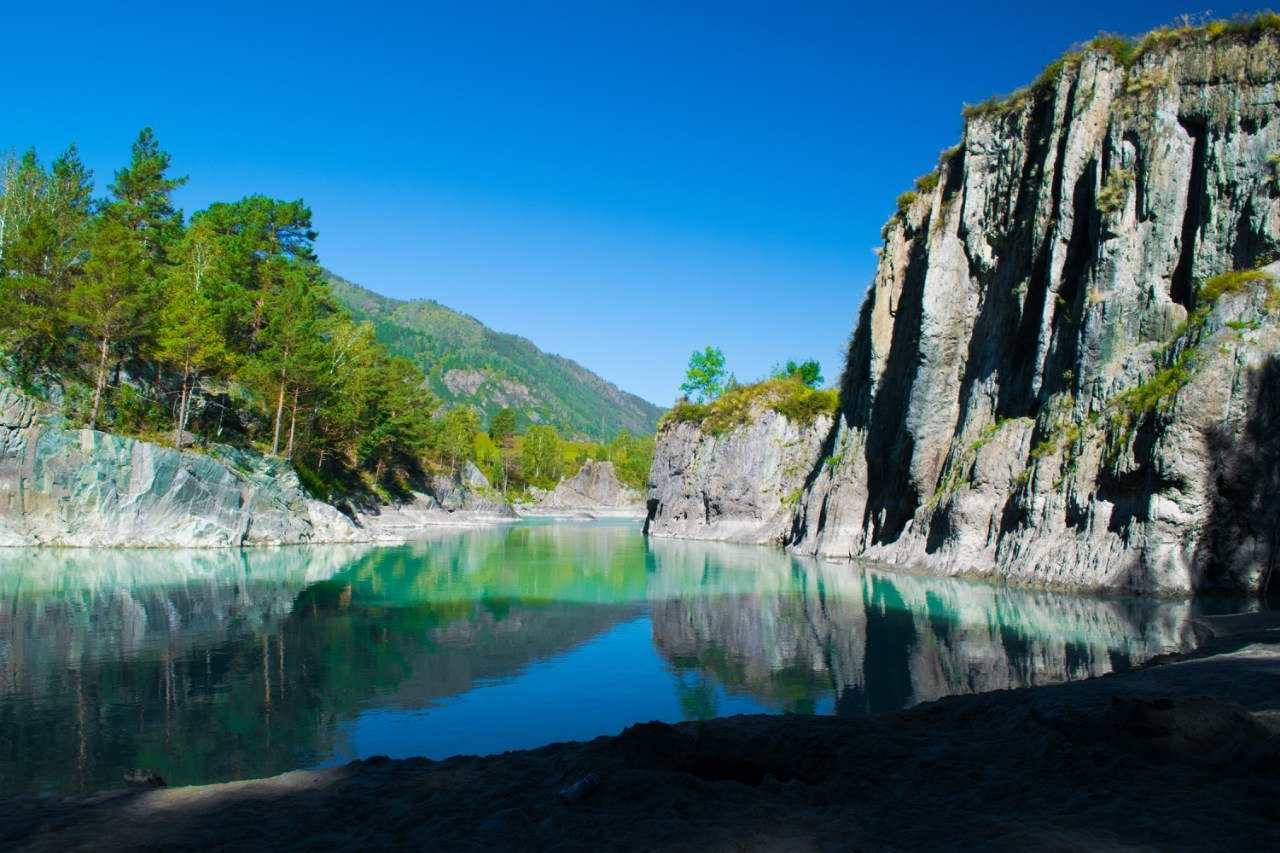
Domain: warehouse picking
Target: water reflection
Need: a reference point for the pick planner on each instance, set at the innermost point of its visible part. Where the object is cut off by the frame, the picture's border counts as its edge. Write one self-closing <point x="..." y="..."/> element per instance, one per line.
<point x="217" y="665"/>
<point x="790" y="630"/>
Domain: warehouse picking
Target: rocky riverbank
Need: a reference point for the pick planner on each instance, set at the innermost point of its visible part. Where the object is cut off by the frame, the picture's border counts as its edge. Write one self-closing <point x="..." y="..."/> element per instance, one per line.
<point x="1177" y="755"/>
<point x="79" y="487"/>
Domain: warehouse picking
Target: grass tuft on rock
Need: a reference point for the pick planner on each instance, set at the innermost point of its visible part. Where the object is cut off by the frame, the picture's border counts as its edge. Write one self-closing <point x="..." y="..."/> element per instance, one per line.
<point x="1238" y="281"/>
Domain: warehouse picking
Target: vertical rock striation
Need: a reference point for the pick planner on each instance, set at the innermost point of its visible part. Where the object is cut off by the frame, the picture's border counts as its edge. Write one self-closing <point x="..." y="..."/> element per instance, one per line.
<point x="1040" y="386"/>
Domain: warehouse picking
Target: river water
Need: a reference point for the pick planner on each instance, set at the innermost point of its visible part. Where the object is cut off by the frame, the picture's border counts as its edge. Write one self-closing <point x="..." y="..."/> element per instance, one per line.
<point x="217" y="665"/>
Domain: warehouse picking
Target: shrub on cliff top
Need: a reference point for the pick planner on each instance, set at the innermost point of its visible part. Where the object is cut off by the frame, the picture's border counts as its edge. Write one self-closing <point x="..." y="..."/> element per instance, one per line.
<point x="1243" y="27"/>
<point x="927" y="183"/>
<point x="1123" y="48"/>
<point x="1127" y="51"/>
<point x="905" y="201"/>
<point x="788" y="396"/>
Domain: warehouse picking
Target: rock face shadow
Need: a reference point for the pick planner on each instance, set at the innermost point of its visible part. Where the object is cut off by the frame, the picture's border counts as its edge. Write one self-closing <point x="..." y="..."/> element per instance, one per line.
<point x="1241" y="538"/>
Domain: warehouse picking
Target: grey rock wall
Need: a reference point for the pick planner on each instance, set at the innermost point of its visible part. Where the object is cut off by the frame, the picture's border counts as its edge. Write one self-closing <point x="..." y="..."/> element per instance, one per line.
<point x="1033" y="391"/>
<point x="89" y="488"/>
<point x="742" y="486"/>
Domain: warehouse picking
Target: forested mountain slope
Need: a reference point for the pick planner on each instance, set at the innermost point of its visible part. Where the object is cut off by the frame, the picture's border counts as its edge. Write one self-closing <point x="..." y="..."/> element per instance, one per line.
<point x="467" y="362"/>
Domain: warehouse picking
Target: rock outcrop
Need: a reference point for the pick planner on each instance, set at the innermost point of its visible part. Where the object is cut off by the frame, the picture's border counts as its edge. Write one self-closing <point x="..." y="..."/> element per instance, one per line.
<point x="740" y="486"/>
<point x="595" y="487"/>
<point x="89" y="488"/>
<point x="1050" y="381"/>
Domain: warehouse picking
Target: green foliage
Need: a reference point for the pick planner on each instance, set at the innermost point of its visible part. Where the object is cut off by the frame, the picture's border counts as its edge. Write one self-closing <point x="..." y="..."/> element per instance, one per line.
<point x="1115" y="191"/>
<point x="541" y="456"/>
<point x="631" y="456"/>
<point x="458" y="437"/>
<point x="1122" y="48"/>
<point x="143" y="191"/>
<point x="1239" y="281"/>
<point x="998" y="106"/>
<point x="1243" y="28"/>
<point x="736" y="407"/>
<point x="1160" y="390"/>
<point x="1182" y="355"/>
<point x="502" y="426"/>
<point x="801" y="403"/>
<point x="224" y="329"/>
<point x="43" y="221"/>
<point x="809" y="372"/>
<point x="927" y="183"/>
<point x="905" y="201"/>
<point x="705" y="377"/>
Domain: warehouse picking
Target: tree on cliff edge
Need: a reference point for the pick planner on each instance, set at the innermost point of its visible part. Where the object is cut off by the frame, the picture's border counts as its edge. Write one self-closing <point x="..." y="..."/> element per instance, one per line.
<point x="705" y="378"/>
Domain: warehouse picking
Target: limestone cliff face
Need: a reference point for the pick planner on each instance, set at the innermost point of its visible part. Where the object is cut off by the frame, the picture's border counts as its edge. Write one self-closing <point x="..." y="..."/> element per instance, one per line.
<point x="740" y="486"/>
<point x="88" y="488"/>
<point x="1038" y="387"/>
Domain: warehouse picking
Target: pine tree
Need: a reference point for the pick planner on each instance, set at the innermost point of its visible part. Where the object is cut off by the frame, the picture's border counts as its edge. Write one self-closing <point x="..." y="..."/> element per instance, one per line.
<point x="143" y="197"/>
<point x="188" y="339"/>
<point x="502" y="425"/>
<point x="44" y="222"/>
<point x="109" y="301"/>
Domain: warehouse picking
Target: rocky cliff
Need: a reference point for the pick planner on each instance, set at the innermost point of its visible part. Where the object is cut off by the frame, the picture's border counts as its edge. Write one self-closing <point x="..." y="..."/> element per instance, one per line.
<point x="740" y="485"/>
<point x="1055" y="377"/>
<point x="595" y="487"/>
<point x="89" y="488"/>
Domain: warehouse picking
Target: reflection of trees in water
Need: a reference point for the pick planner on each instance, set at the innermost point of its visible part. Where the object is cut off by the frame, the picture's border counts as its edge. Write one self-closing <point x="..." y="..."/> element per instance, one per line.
<point x="225" y="664"/>
<point x="789" y="630"/>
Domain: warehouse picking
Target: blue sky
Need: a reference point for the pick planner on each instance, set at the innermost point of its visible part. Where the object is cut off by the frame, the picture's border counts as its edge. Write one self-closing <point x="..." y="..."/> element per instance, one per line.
<point x="621" y="182"/>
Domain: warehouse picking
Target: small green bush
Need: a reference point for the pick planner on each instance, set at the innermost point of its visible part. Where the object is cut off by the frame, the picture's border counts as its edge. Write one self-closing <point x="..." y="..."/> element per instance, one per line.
<point x="803" y="404"/>
<point x="1122" y="48"/>
<point x="905" y="201"/>
<point x="927" y="183"/>
<point x="685" y="412"/>
<point x="1114" y="191"/>
<point x="1239" y="281"/>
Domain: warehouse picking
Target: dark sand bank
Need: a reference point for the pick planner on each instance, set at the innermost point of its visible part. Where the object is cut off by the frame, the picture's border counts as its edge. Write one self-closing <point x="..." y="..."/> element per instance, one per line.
<point x="1183" y="754"/>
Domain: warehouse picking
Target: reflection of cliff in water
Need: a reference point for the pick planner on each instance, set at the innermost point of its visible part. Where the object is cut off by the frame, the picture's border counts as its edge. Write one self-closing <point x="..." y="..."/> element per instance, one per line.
<point x="791" y="630"/>
<point x="224" y="664"/>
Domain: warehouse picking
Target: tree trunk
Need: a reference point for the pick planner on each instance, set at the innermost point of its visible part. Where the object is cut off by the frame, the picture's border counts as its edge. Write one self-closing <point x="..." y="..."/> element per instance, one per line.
<point x="275" y="442"/>
<point x="183" y="402"/>
<point x="102" y="382"/>
<point x="293" y="421"/>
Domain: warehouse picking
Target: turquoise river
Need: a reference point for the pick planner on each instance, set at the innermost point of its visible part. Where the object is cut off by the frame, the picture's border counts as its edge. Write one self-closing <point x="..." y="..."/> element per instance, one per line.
<point x="217" y="665"/>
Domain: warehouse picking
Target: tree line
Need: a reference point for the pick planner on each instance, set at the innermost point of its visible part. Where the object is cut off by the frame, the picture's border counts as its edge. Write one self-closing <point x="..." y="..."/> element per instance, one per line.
<point x="221" y="327"/>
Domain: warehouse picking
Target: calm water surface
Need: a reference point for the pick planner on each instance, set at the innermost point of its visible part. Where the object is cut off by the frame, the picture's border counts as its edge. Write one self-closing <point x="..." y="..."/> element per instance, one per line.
<point x="213" y="665"/>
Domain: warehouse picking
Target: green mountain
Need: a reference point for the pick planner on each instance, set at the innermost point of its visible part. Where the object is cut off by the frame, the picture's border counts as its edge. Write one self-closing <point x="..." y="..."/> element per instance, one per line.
<point x="468" y="363"/>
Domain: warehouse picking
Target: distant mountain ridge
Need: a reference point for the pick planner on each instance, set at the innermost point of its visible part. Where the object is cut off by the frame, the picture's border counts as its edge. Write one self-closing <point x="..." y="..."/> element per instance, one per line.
<point x="468" y="363"/>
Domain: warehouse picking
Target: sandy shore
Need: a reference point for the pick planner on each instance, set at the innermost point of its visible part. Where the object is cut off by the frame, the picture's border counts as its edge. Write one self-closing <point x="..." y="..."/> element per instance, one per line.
<point x="1182" y="754"/>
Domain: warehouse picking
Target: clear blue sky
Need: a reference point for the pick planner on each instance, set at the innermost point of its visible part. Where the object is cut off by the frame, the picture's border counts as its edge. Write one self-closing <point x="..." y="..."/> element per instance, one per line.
<point x="621" y="182"/>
